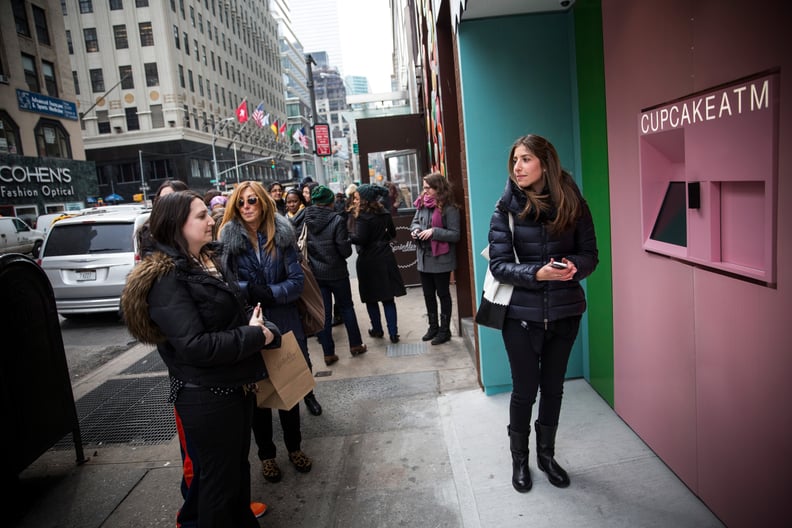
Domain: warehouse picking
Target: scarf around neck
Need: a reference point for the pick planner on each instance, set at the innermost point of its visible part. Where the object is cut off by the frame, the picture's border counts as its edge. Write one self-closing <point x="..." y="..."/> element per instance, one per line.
<point x="438" y="248"/>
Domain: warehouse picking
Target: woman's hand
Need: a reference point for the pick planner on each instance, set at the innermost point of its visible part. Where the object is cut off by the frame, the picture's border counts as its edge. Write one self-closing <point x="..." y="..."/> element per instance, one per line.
<point x="549" y="273"/>
<point x="257" y="319"/>
<point x="426" y="234"/>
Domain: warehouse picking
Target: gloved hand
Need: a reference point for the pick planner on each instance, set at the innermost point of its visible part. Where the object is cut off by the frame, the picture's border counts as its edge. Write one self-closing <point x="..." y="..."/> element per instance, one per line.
<point x="260" y="293"/>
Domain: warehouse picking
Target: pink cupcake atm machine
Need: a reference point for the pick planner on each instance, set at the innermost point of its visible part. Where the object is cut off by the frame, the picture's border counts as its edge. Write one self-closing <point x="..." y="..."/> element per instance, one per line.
<point x="709" y="171"/>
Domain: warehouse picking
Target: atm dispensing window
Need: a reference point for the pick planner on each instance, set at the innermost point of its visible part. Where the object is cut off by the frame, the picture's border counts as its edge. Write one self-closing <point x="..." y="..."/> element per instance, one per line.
<point x="671" y="224"/>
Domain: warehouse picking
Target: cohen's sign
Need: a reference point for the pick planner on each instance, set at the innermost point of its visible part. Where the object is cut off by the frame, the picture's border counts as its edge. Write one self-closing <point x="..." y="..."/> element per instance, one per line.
<point x="26" y="179"/>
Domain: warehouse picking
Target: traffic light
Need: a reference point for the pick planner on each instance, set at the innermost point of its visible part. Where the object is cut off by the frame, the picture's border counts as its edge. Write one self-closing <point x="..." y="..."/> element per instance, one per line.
<point x="272" y="164"/>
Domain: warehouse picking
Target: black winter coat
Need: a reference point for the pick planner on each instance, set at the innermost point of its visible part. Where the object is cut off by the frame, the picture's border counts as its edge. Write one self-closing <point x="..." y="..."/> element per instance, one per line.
<point x="199" y="322"/>
<point x="532" y="300"/>
<point x="378" y="274"/>
<point x="328" y="243"/>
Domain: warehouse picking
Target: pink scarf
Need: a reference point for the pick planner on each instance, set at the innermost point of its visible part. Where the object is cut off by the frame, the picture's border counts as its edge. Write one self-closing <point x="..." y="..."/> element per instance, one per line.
<point x="438" y="248"/>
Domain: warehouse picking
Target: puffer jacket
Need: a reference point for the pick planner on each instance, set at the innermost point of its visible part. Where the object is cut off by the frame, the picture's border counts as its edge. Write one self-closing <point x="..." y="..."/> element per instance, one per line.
<point x="378" y="273"/>
<point x="199" y="322"/>
<point x="532" y="300"/>
<point x="280" y="270"/>
<point x="427" y="262"/>
<point x="328" y="243"/>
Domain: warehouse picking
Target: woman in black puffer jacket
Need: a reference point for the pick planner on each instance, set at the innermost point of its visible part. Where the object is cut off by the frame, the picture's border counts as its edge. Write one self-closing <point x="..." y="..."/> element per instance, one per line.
<point x="556" y="247"/>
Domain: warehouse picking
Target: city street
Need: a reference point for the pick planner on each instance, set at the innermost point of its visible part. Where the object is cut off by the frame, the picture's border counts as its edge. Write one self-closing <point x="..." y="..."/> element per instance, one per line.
<point x="90" y="341"/>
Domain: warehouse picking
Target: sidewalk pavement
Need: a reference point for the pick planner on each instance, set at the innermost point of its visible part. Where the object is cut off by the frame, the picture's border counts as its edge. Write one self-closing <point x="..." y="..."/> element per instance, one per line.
<point x="406" y="439"/>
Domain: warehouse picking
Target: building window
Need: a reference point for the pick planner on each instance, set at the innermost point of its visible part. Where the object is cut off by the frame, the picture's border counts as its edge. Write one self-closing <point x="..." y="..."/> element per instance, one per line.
<point x="132" y="118"/>
<point x="91" y="42"/>
<point x="97" y="80"/>
<point x="103" y="121"/>
<point x="197" y="51"/>
<point x="206" y="61"/>
<point x="186" y="44"/>
<point x="141" y="3"/>
<point x="31" y="73"/>
<point x="20" y="17"/>
<point x="186" y="119"/>
<point x="181" y="75"/>
<point x="190" y="80"/>
<point x="52" y="140"/>
<point x="146" y="34"/>
<point x="176" y="36"/>
<point x="115" y="5"/>
<point x="40" y="20"/>
<point x="63" y="8"/>
<point x="121" y="39"/>
<point x="48" y="70"/>
<point x="157" y="118"/>
<point x="86" y="6"/>
<point x="125" y="74"/>
<point x="200" y="86"/>
<point x="152" y="76"/>
<point x="76" y="81"/>
<point x="192" y="16"/>
<point x="10" y="142"/>
<point x="181" y="9"/>
<point x="69" y="42"/>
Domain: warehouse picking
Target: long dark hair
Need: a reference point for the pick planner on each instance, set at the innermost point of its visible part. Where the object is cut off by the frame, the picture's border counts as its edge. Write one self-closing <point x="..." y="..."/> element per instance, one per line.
<point x="440" y="183"/>
<point x="168" y="216"/>
<point x="559" y="189"/>
<point x="176" y="185"/>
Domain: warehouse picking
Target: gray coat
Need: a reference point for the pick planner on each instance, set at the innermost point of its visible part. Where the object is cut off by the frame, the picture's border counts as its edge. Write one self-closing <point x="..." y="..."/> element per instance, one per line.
<point x="428" y="263"/>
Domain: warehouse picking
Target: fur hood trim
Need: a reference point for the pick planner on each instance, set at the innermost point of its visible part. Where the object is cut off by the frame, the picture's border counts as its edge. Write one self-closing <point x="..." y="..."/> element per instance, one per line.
<point x="235" y="240"/>
<point x="134" y="299"/>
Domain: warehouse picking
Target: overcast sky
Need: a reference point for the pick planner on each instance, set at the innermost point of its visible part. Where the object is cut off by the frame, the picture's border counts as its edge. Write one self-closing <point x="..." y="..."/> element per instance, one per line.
<point x="366" y="41"/>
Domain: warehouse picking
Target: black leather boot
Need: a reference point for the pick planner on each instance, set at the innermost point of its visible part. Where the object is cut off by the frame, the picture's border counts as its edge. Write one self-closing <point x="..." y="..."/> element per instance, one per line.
<point x="545" y="451"/>
<point x="444" y="332"/>
<point x="313" y="405"/>
<point x="433" y="328"/>
<point x="521" y="475"/>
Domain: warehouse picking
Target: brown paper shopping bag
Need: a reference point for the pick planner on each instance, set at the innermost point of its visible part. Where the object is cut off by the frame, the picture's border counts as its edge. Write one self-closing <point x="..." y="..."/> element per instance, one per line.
<point x="289" y="380"/>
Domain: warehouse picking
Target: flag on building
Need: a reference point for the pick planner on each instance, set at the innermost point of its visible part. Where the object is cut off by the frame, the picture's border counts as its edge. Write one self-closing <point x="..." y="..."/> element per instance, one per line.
<point x="242" y="111"/>
<point x="274" y="128"/>
<point x="258" y="115"/>
<point x="297" y="136"/>
<point x="304" y="139"/>
<point x="265" y="122"/>
<point x="283" y="129"/>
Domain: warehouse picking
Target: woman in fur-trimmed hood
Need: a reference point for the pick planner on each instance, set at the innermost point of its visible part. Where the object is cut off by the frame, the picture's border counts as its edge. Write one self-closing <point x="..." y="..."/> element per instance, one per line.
<point x="183" y="298"/>
<point x="262" y="251"/>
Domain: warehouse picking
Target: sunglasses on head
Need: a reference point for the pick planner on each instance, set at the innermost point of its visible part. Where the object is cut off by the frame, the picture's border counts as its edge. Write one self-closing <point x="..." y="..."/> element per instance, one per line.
<point x="252" y="200"/>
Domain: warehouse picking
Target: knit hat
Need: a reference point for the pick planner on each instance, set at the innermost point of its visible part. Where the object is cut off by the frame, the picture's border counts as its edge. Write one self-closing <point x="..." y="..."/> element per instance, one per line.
<point x="368" y="192"/>
<point x="218" y="200"/>
<point x="322" y="195"/>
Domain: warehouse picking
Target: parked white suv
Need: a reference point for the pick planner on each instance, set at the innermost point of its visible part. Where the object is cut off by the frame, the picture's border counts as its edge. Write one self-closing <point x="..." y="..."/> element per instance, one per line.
<point x="87" y="259"/>
<point x="18" y="237"/>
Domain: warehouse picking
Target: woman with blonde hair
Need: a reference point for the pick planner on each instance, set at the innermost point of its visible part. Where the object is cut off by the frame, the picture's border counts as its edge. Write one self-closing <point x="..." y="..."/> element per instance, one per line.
<point x="262" y="250"/>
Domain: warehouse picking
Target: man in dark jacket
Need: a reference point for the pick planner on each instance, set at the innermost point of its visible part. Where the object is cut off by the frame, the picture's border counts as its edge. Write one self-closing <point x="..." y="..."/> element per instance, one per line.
<point x="328" y="248"/>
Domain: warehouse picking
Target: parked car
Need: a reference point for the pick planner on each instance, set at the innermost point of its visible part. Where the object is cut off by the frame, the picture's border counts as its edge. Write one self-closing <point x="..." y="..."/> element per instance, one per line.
<point x="88" y="257"/>
<point x="18" y="237"/>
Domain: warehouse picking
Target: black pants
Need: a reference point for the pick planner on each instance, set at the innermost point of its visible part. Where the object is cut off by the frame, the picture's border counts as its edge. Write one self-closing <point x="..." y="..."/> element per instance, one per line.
<point x="538" y="359"/>
<point x="434" y="286"/>
<point x="219" y="428"/>
<point x="262" y="430"/>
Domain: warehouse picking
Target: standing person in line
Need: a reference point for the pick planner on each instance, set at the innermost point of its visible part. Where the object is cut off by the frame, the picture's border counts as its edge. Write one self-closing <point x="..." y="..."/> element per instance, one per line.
<point x="262" y="250"/>
<point x="556" y="246"/>
<point x="328" y="248"/>
<point x="435" y="228"/>
<point x="295" y="209"/>
<point x="183" y="298"/>
<point x="275" y="191"/>
<point x="379" y="280"/>
<point x="306" y="188"/>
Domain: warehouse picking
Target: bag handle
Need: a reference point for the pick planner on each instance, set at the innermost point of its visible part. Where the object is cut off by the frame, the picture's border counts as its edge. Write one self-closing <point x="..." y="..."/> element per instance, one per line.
<point x="485" y="251"/>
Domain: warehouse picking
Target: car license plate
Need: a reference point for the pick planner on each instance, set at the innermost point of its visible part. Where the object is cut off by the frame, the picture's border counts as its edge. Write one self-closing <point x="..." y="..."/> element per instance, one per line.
<point x="86" y="275"/>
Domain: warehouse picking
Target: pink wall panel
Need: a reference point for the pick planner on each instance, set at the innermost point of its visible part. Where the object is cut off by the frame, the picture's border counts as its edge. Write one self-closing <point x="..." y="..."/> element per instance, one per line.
<point x="702" y="360"/>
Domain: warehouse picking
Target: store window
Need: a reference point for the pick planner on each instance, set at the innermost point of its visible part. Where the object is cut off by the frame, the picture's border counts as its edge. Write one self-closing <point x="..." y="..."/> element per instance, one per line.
<point x="52" y="140"/>
<point x="10" y="142"/>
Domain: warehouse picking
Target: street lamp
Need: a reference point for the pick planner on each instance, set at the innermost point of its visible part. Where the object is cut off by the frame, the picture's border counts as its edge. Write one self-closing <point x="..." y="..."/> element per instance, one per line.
<point x="214" y="152"/>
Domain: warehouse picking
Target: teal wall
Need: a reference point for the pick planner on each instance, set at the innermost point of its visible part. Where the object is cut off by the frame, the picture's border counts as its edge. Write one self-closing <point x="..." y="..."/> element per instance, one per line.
<point x="517" y="76"/>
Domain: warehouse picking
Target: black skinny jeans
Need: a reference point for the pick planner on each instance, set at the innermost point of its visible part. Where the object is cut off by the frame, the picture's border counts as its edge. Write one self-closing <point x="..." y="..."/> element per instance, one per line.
<point x="437" y="284"/>
<point x="262" y="430"/>
<point x="538" y="360"/>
